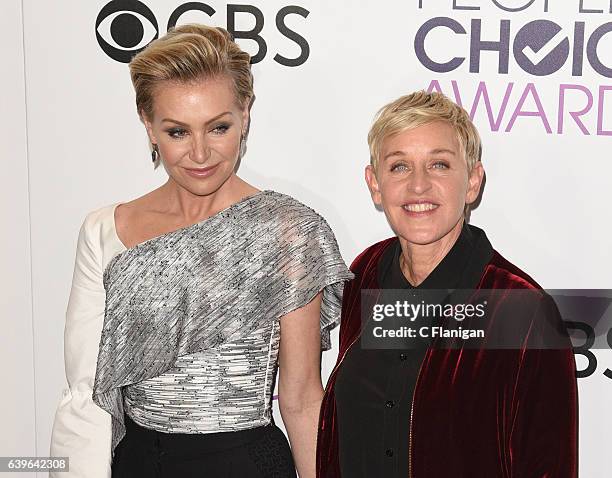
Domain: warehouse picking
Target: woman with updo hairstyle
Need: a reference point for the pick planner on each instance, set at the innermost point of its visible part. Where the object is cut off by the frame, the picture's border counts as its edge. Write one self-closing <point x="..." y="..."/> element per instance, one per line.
<point x="186" y="301"/>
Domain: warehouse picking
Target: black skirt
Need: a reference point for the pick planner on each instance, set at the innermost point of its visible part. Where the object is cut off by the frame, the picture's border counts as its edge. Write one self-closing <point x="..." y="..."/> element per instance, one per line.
<point x="261" y="452"/>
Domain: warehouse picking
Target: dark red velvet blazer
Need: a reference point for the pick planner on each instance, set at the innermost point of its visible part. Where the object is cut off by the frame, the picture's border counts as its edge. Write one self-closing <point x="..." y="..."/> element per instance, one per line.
<point x="476" y="413"/>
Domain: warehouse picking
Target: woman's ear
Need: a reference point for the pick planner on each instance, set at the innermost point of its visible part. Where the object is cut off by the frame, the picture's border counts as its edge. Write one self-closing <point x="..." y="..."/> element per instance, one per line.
<point x="149" y="127"/>
<point x="372" y="182"/>
<point x="474" y="183"/>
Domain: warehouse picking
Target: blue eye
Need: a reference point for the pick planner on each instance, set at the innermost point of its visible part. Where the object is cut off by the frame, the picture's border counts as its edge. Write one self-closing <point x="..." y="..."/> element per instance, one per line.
<point x="399" y="167"/>
<point x="177" y="133"/>
<point x="440" y="165"/>
<point x="221" y="129"/>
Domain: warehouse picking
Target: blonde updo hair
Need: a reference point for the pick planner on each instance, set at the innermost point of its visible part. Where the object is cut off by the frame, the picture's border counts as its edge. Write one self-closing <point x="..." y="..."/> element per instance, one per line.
<point x="190" y="53"/>
<point x="420" y="108"/>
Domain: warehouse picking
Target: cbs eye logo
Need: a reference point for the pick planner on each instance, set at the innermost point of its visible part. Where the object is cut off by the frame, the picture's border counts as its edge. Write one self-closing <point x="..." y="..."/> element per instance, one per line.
<point x="124" y="28"/>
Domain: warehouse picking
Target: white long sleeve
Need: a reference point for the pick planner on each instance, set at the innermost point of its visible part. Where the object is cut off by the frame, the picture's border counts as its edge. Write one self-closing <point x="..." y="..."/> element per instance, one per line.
<point x="82" y="430"/>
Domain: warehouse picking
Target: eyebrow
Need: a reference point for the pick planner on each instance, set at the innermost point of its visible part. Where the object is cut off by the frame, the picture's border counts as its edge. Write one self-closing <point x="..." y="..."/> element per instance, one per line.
<point x="170" y="120"/>
<point x="432" y="152"/>
<point x="443" y="150"/>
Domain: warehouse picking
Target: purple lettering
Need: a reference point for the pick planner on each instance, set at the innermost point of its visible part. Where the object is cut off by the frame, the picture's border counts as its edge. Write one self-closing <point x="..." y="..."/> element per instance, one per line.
<point x="434" y="86"/>
<point x="457" y="93"/>
<point x="483" y="92"/>
<point x="574" y="114"/>
<point x="518" y="111"/>
<point x="600" y="112"/>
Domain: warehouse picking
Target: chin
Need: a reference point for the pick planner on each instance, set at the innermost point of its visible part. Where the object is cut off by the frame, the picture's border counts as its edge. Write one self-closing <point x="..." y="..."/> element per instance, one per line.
<point x="424" y="234"/>
<point x="421" y="238"/>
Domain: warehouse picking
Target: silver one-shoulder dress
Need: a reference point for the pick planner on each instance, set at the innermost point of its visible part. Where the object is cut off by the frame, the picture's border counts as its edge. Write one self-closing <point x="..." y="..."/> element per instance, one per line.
<point x="191" y="329"/>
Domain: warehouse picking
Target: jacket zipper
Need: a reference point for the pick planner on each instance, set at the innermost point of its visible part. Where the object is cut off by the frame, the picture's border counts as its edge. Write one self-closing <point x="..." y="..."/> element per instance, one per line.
<point x="410" y="439"/>
<point x="347" y="350"/>
<point x="344" y="355"/>
<point x="411" y="404"/>
<point x="411" y="414"/>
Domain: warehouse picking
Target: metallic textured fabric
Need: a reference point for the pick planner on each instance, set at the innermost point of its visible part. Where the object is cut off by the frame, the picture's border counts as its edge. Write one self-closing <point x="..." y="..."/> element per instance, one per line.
<point x="227" y="388"/>
<point x="196" y="296"/>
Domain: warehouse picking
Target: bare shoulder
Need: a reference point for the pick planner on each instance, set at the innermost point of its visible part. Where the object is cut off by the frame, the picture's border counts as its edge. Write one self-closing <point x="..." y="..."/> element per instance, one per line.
<point x="139" y="219"/>
<point x="153" y="215"/>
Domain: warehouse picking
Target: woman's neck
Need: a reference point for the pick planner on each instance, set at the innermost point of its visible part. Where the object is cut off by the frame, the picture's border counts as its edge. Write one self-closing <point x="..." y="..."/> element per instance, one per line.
<point x="417" y="261"/>
<point x="193" y="207"/>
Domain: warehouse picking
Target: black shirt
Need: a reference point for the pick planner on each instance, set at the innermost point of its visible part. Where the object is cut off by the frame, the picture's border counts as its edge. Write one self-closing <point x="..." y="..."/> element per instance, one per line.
<point x="374" y="388"/>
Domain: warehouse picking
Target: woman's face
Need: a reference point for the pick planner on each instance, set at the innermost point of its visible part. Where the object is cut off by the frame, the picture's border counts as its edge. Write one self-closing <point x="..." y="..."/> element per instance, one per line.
<point x="422" y="183"/>
<point x="198" y="128"/>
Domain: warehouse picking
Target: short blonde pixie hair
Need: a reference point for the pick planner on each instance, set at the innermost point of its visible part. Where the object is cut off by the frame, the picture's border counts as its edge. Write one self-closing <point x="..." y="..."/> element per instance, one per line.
<point x="420" y="108"/>
<point x="190" y="53"/>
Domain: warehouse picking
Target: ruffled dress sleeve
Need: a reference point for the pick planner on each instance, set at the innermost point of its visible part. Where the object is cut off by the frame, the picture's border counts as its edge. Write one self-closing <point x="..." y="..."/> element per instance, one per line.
<point x="82" y="430"/>
<point x="310" y="263"/>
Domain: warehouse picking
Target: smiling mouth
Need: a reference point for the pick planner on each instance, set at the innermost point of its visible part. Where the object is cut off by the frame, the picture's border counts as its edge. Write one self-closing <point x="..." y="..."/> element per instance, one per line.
<point x="420" y="207"/>
<point x="201" y="172"/>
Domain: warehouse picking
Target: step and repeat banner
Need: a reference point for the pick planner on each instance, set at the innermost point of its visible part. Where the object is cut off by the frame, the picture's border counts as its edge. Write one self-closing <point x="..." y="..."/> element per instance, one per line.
<point x="535" y="75"/>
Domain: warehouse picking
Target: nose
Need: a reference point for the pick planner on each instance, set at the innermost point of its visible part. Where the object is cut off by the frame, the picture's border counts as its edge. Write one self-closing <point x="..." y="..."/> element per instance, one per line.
<point x="200" y="150"/>
<point x="420" y="182"/>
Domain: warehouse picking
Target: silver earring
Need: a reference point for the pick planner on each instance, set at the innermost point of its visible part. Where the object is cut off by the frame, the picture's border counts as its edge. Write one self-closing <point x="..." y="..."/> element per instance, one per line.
<point x="242" y="144"/>
<point x="154" y="153"/>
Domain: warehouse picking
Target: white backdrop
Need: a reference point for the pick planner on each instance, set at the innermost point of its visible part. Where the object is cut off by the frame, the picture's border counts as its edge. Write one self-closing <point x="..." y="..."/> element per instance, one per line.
<point x="546" y="199"/>
<point x="17" y="375"/>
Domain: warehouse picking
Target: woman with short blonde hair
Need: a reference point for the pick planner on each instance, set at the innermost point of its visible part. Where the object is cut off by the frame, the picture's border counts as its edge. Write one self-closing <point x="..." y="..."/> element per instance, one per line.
<point x="413" y="399"/>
